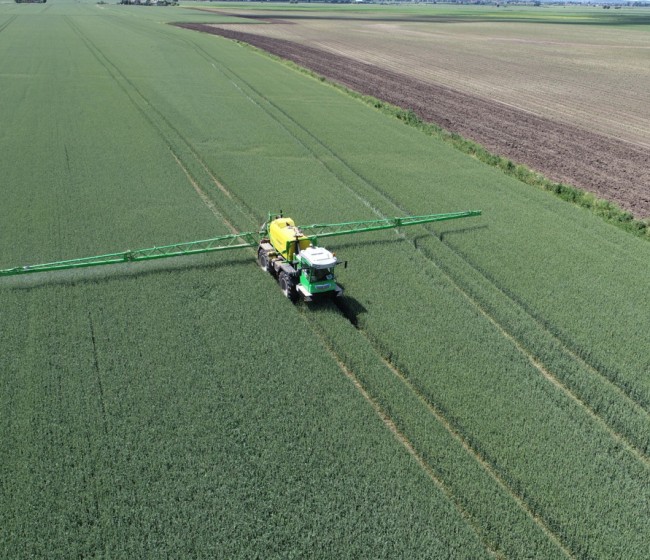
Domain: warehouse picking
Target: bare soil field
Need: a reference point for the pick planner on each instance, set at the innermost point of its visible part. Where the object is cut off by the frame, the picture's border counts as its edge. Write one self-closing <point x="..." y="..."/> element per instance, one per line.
<point x="578" y="118"/>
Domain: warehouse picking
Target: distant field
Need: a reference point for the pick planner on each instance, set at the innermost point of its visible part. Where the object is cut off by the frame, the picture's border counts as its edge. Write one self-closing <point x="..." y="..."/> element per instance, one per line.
<point x="482" y="390"/>
<point x="571" y="64"/>
<point x="531" y="80"/>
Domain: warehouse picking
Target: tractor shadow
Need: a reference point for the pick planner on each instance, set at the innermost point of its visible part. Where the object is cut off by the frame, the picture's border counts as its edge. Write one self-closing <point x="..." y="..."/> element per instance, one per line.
<point x="345" y="305"/>
<point x="350" y="308"/>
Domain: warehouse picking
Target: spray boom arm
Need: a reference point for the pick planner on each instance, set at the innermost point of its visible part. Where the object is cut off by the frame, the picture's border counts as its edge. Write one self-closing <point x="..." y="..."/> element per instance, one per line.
<point x="318" y="231"/>
<point x="235" y="241"/>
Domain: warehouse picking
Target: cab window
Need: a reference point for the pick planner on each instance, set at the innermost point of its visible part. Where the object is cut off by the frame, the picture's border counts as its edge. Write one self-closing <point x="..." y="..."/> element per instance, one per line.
<point x="320" y="274"/>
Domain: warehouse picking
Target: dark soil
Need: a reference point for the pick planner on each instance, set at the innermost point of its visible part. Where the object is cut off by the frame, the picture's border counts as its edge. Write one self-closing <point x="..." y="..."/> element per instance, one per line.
<point x="610" y="168"/>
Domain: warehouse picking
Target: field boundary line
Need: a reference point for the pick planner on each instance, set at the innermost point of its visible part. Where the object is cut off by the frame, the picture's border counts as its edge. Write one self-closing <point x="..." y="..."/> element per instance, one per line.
<point x="606" y="210"/>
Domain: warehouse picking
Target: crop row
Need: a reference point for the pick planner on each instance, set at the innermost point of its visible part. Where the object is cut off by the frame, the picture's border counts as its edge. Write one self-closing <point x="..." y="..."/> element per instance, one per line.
<point x="164" y="410"/>
<point x="137" y="429"/>
<point x="538" y="436"/>
<point x="560" y="264"/>
<point x="191" y="402"/>
<point x="544" y="333"/>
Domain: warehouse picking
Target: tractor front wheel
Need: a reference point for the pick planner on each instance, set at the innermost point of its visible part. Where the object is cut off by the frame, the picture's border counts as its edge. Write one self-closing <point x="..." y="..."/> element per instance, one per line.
<point x="288" y="286"/>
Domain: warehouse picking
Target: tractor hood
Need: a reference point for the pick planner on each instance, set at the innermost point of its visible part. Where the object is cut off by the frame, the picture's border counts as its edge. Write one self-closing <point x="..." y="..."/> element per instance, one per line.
<point x="318" y="257"/>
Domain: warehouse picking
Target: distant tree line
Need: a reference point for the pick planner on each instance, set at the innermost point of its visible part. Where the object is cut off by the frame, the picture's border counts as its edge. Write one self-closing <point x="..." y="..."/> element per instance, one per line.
<point x="31" y="1"/>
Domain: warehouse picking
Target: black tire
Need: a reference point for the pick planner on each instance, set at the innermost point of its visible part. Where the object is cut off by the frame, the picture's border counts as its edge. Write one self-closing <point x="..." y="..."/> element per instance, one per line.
<point x="288" y="286"/>
<point x="263" y="260"/>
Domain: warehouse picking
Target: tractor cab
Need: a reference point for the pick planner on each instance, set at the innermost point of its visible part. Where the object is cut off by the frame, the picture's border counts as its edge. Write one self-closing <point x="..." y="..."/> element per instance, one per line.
<point x="317" y="272"/>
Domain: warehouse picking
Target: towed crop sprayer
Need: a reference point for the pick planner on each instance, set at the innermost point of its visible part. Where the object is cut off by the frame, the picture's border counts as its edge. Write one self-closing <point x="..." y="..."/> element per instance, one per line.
<point x="285" y="250"/>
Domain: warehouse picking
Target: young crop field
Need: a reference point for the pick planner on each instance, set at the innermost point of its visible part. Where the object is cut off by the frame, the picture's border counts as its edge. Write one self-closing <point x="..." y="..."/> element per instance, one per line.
<point x="482" y="390"/>
<point x="561" y="90"/>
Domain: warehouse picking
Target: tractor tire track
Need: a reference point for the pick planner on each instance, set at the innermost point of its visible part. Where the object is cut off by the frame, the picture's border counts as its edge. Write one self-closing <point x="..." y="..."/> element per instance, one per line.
<point x="225" y="191"/>
<point x="268" y="107"/>
<point x="390" y="424"/>
<point x="202" y="194"/>
<point x="470" y="448"/>
<point x="348" y="176"/>
<point x="259" y="100"/>
<point x="513" y="487"/>
<point x="481" y="457"/>
<point x="609" y="376"/>
<point x="166" y="130"/>
<point x="7" y="23"/>
<point x="633" y="449"/>
<point x="98" y="376"/>
<point x="93" y="482"/>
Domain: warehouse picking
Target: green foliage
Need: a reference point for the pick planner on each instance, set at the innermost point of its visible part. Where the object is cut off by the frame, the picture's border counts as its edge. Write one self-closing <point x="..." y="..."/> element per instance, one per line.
<point x="162" y="411"/>
<point x="179" y="429"/>
<point x="492" y="400"/>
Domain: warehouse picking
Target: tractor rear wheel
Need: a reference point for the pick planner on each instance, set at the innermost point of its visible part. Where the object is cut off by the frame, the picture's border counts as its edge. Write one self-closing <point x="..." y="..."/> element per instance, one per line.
<point x="263" y="260"/>
<point x="288" y="286"/>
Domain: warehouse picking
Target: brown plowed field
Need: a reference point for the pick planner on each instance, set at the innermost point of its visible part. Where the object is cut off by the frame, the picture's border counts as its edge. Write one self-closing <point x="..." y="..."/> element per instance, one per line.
<point x="610" y="167"/>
